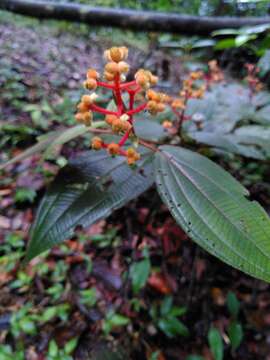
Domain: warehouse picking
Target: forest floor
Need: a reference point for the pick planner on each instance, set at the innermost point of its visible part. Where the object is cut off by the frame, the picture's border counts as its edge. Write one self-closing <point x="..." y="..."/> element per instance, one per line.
<point x="75" y="302"/>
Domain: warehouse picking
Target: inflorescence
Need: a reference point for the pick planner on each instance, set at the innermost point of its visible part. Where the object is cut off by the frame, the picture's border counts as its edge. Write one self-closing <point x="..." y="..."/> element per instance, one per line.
<point x="141" y="97"/>
<point x="121" y="120"/>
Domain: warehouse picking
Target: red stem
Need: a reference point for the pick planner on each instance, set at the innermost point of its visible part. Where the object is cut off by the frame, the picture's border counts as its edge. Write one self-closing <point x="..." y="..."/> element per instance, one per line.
<point x="124" y="138"/>
<point x="128" y="84"/>
<point x="101" y="110"/>
<point x="137" y="109"/>
<point x="117" y="92"/>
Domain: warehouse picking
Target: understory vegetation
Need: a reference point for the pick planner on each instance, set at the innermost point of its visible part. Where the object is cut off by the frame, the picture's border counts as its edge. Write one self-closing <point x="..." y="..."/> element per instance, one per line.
<point x="133" y="285"/>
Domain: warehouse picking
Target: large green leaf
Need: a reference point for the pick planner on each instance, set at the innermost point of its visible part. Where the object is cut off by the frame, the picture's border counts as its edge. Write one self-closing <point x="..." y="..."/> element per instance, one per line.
<point x="211" y="207"/>
<point x="40" y="146"/>
<point x="91" y="187"/>
<point x="250" y="146"/>
<point x="149" y="130"/>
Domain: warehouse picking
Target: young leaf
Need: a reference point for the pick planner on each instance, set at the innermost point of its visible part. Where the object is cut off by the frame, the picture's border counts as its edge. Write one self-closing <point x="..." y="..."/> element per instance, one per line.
<point x="233" y="304"/>
<point x="216" y="343"/>
<point x="235" y="332"/>
<point x="139" y="273"/>
<point x="211" y="207"/>
<point x="171" y="326"/>
<point x="88" y="189"/>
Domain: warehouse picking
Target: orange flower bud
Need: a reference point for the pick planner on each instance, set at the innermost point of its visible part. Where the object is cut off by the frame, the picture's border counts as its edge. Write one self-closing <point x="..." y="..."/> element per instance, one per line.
<point x="131" y="152"/>
<point x="116" y="54"/>
<point x="132" y="156"/>
<point x="160" y="107"/>
<point x="96" y="143"/>
<point x="152" y="107"/>
<point x="87" y="100"/>
<point x="112" y="67"/>
<point x="123" y="67"/>
<point x="117" y="125"/>
<point x="195" y="75"/>
<point x="153" y="79"/>
<point x="90" y="84"/>
<point x="84" y="118"/>
<point x="83" y="107"/>
<point x="92" y="74"/>
<point x="126" y="126"/>
<point x="110" y="119"/>
<point x="108" y="76"/>
<point x="153" y="95"/>
<point x="113" y="149"/>
<point x="145" y="78"/>
<point x="178" y="104"/>
<point x="79" y="117"/>
<point x="167" y="124"/>
<point x="87" y="118"/>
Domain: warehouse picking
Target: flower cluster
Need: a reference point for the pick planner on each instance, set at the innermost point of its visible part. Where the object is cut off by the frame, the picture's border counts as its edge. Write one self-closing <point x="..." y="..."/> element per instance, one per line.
<point x="252" y="79"/>
<point x="193" y="87"/>
<point x="121" y="120"/>
<point x="215" y="74"/>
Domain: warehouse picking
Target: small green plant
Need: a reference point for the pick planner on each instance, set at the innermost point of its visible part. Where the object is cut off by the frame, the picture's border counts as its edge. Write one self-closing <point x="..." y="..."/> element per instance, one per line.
<point x="55" y="353"/>
<point x="130" y="153"/>
<point x="216" y="343"/>
<point x="235" y="329"/>
<point x="165" y="317"/>
<point x="114" y="320"/>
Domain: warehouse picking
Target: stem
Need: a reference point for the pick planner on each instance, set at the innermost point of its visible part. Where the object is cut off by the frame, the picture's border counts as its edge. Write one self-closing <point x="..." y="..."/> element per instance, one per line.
<point x="182" y="115"/>
<point x="148" y="145"/>
<point x="131" y="104"/>
<point x="117" y="93"/>
<point x="102" y="110"/>
<point x="127" y="84"/>
<point x="100" y="131"/>
<point x="136" y="110"/>
<point x="125" y="137"/>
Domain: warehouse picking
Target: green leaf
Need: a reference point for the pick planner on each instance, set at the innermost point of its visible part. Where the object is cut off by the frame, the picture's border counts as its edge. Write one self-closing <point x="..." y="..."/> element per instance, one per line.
<point x="40" y="146"/>
<point x="225" y="44"/>
<point x="195" y="357"/>
<point x="70" y="346"/>
<point x="216" y="343"/>
<point x="149" y="130"/>
<point x="226" y="32"/>
<point x="53" y="348"/>
<point x="233" y="304"/>
<point x="172" y="327"/>
<point x="235" y="332"/>
<point x="88" y="189"/>
<point x="139" y="273"/>
<point x="243" y="39"/>
<point x="166" y="305"/>
<point x="65" y="136"/>
<point x="264" y="63"/>
<point x="250" y="147"/>
<point x="210" y="205"/>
